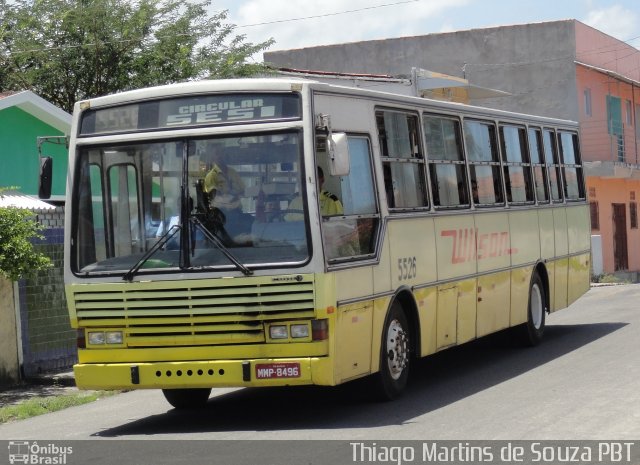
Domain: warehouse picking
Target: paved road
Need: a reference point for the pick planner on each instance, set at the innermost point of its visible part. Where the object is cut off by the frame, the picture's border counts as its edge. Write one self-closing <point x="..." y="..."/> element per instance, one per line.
<point x="583" y="382"/>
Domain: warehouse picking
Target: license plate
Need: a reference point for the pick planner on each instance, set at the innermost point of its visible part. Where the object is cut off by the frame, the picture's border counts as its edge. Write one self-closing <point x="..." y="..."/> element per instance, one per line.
<point x="277" y="370"/>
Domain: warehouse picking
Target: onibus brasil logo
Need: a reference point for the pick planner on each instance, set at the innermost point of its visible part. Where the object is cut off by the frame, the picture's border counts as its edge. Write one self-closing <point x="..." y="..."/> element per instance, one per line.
<point x="34" y="453"/>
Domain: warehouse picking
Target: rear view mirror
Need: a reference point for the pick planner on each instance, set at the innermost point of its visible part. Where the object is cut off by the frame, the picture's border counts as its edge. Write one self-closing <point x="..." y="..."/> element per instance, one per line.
<point x="339" y="162"/>
<point x="46" y="170"/>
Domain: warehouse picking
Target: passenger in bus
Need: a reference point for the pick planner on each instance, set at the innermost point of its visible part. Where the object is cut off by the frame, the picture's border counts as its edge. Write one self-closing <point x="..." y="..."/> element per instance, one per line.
<point x="329" y="203"/>
<point x="224" y="186"/>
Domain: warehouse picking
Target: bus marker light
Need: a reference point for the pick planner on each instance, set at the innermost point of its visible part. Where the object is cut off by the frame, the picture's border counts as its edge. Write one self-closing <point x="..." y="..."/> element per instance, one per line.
<point x="96" y="338"/>
<point x="81" y="339"/>
<point x="278" y="332"/>
<point x="319" y="330"/>
<point x="299" y="331"/>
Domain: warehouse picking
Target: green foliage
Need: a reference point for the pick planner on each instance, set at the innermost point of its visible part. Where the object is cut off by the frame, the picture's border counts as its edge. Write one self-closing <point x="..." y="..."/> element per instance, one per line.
<point x="18" y="258"/>
<point x="68" y="50"/>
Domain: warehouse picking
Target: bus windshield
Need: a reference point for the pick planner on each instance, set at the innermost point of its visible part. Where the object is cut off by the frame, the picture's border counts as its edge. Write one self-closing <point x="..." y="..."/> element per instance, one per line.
<point x="215" y="203"/>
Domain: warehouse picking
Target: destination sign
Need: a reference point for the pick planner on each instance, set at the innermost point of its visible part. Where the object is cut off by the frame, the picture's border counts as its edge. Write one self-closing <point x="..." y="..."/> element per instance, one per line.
<point x="191" y="111"/>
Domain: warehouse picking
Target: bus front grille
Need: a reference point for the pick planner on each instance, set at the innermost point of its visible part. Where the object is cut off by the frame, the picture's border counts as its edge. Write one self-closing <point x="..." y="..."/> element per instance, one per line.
<point x="162" y="314"/>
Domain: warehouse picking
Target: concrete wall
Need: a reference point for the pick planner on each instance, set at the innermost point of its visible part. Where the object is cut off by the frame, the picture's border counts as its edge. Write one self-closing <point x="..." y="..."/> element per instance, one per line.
<point x="533" y="62"/>
<point x="9" y="364"/>
<point x="49" y="343"/>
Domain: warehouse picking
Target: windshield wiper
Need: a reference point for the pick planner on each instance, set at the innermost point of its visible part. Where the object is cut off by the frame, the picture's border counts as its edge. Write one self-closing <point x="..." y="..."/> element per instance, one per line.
<point x="220" y="245"/>
<point x="128" y="276"/>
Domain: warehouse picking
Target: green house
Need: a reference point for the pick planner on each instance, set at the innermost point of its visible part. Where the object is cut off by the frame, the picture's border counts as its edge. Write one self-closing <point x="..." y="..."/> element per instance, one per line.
<point x="23" y="118"/>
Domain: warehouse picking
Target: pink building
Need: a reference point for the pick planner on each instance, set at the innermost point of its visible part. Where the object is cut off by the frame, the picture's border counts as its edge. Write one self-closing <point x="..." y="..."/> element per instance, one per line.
<point x="608" y="80"/>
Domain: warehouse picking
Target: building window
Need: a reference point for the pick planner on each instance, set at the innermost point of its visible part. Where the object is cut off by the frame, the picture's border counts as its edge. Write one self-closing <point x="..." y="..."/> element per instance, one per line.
<point x="633" y="215"/>
<point x="484" y="163"/>
<point x="614" y="115"/>
<point x="402" y="160"/>
<point x="446" y="162"/>
<point x="595" y="222"/>
<point x="628" y="107"/>
<point x="587" y="102"/>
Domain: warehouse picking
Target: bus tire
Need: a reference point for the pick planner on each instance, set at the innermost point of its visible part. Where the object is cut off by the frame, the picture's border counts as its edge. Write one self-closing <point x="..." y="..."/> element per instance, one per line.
<point x="395" y="353"/>
<point x="187" y="398"/>
<point x="530" y="333"/>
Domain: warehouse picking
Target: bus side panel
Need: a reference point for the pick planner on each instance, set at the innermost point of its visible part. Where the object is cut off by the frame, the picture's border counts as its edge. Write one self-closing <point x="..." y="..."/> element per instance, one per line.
<point x="447" y="315"/>
<point x="520" y="279"/>
<point x="524" y="236"/>
<point x="467" y="315"/>
<point x="412" y="253"/>
<point x="561" y="265"/>
<point x="547" y="234"/>
<point x="579" y="276"/>
<point x="494" y="248"/>
<point x="360" y="283"/>
<point x="426" y="299"/>
<point x="493" y="311"/>
<point x="493" y="295"/>
<point x="455" y="247"/>
<point x="579" y="227"/>
<point x="380" y="307"/>
<point x="353" y="340"/>
<point x="579" y="241"/>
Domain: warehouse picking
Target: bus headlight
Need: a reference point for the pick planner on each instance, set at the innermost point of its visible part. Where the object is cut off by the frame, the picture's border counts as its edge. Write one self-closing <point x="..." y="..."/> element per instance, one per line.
<point x="113" y="337"/>
<point x="278" y="332"/>
<point x="299" y="331"/>
<point x="96" y="338"/>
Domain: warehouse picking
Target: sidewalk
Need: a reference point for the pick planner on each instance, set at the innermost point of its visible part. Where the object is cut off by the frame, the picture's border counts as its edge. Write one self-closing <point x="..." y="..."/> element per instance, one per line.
<point x="46" y="385"/>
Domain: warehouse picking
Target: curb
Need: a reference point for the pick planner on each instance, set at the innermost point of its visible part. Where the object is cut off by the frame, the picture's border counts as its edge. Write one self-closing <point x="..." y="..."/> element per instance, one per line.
<point x="52" y="379"/>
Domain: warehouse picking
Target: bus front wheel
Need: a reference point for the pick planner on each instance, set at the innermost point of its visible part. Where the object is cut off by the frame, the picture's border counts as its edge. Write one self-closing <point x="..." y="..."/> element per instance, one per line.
<point x="187" y="398"/>
<point x="394" y="354"/>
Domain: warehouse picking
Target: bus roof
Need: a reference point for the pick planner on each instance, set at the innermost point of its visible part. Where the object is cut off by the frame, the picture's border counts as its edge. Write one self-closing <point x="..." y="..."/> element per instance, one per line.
<point x="288" y="84"/>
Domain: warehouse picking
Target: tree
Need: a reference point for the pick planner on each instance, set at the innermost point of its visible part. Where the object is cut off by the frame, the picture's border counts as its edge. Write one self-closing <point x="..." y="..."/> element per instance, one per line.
<point x="68" y="50"/>
<point x="18" y="258"/>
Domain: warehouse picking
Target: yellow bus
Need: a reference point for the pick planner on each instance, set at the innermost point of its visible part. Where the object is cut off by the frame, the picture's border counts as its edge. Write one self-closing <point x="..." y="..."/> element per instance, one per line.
<point x="276" y="232"/>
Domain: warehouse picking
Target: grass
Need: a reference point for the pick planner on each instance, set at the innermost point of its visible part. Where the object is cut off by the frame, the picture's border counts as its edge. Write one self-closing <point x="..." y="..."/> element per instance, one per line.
<point x="608" y="279"/>
<point x="41" y="405"/>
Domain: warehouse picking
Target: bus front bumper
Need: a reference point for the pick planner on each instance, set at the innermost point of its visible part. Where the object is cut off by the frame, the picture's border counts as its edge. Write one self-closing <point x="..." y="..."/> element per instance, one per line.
<point x="199" y="374"/>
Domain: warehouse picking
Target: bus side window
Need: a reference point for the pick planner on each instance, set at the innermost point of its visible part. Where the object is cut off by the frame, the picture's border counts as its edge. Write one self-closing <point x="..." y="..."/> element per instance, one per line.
<point x="403" y="163"/>
<point x="517" y="168"/>
<point x="571" y="166"/>
<point x="537" y="161"/>
<point x="484" y="161"/>
<point x="354" y="233"/>
<point x="446" y="162"/>
<point x="553" y="165"/>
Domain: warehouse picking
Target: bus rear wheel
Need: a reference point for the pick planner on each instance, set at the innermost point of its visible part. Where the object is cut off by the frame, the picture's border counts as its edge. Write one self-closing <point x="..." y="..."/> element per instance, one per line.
<point x="530" y="333"/>
<point x="394" y="355"/>
<point x="187" y="398"/>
